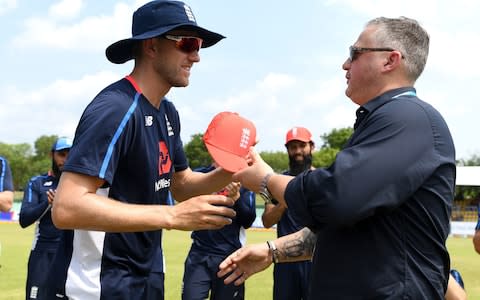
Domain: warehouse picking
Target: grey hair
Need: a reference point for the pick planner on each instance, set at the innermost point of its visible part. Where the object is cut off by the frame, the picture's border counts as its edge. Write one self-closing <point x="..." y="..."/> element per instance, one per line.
<point x="407" y="36"/>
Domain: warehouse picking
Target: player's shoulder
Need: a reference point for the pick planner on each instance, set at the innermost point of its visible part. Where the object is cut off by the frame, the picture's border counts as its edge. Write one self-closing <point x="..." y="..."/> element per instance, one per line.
<point x="115" y="95"/>
<point x="40" y="177"/>
<point x="112" y="103"/>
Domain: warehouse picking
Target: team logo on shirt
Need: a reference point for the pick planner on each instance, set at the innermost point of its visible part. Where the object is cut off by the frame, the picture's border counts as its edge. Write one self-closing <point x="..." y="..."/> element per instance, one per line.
<point x="48" y="183"/>
<point x="148" y="121"/>
<point x="164" y="162"/>
<point x="164" y="166"/>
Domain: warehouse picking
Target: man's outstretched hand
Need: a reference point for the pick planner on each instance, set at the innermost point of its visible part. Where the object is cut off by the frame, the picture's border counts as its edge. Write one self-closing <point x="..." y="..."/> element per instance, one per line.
<point x="245" y="262"/>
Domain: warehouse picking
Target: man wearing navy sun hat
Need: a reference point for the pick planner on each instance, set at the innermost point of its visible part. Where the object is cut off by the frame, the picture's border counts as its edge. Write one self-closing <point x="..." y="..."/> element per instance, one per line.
<point x="128" y="141"/>
<point x="36" y="205"/>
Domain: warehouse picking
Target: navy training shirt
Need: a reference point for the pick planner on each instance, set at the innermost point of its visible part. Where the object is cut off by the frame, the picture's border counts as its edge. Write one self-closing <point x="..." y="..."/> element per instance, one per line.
<point x="6" y="182"/>
<point x="288" y="223"/>
<point x="381" y="211"/>
<point x="223" y="241"/>
<point x="135" y="148"/>
<point x="35" y="207"/>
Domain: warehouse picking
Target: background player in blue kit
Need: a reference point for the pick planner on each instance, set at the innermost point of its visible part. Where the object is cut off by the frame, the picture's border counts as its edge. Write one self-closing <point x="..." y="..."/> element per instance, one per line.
<point x="290" y="280"/>
<point x="36" y="204"/>
<point x="210" y="247"/>
<point x="476" y="236"/>
<point x="128" y="140"/>
<point x="456" y="288"/>
<point x="378" y="218"/>
<point x="6" y="186"/>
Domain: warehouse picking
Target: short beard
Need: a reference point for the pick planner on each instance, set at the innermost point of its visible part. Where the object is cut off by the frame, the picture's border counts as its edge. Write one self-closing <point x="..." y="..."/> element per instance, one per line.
<point x="297" y="167"/>
<point x="56" y="170"/>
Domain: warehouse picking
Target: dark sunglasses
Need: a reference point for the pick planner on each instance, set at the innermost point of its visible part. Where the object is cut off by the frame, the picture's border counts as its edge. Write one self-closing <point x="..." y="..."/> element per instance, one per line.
<point x="185" y="44"/>
<point x="356" y="51"/>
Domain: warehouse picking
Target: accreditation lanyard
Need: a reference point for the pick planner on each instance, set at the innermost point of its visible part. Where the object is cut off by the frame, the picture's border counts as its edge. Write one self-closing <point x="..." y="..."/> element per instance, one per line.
<point x="407" y="93"/>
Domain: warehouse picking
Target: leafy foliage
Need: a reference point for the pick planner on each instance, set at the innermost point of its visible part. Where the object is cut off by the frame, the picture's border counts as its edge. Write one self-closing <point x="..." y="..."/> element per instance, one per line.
<point x="337" y="138"/>
<point x="468" y="195"/>
<point x="277" y="160"/>
<point x="196" y="152"/>
<point x="324" y="157"/>
<point x="26" y="162"/>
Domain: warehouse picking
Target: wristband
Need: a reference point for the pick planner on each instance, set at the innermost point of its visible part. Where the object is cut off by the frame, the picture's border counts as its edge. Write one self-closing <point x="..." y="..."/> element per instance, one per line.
<point x="273" y="250"/>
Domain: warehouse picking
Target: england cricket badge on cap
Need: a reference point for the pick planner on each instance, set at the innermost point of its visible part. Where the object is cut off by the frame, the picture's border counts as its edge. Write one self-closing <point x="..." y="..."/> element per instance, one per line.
<point x="228" y="139"/>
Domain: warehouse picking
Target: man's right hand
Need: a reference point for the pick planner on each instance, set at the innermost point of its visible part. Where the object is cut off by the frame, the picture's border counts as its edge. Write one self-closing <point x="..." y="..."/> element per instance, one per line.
<point x="201" y="212"/>
<point x="245" y="262"/>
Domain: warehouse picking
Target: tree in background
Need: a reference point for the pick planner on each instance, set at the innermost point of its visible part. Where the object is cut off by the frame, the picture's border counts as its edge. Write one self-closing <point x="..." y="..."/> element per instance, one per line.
<point x="324" y="157"/>
<point x="468" y="195"/>
<point x="337" y="138"/>
<point x="196" y="152"/>
<point x="26" y="162"/>
<point x="278" y="160"/>
<point x="333" y="141"/>
<point x="18" y="156"/>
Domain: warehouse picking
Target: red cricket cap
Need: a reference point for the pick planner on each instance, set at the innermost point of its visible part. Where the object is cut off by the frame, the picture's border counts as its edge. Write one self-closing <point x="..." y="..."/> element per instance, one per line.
<point x="298" y="134"/>
<point x="228" y="139"/>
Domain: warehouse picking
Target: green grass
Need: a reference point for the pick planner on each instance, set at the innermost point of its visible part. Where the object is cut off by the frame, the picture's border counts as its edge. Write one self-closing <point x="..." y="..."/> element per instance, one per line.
<point x="177" y="244"/>
<point x="16" y="244"/>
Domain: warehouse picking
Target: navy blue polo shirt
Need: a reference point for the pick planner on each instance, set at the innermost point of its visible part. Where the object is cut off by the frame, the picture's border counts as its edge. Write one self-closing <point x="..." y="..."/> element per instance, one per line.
<point x="6" y="182"/>
<point x="381" y="211"/>
<point x="135" y="148"/>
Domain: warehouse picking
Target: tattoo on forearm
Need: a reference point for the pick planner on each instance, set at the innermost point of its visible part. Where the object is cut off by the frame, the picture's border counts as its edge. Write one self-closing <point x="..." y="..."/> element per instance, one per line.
<point x="310" y="241"/>
<point x="301" y="245"/>
<point x="294" y="248"/>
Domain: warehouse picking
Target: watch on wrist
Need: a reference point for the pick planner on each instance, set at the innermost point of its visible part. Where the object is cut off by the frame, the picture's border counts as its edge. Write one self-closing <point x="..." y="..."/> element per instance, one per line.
<point x="264" y="192"/>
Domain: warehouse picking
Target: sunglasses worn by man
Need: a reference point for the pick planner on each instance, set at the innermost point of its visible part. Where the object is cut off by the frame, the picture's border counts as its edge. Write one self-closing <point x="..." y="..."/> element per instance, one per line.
<point x="356" y="51"/>
<point x="185" y="44"/>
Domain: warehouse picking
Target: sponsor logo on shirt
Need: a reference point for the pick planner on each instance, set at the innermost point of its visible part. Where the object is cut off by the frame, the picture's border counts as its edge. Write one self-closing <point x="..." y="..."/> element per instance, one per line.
<point x="48" y="183"/>
<point x="169" y="126"/>
<point x="162" y="184"/>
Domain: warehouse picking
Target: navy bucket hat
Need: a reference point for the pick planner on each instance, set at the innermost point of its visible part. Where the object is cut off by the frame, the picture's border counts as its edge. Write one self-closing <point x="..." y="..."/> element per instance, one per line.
<point x="157" y="18"/>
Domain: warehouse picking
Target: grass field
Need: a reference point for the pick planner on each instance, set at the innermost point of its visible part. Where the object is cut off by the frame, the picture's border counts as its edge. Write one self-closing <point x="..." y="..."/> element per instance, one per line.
<point x="16" y="244"/>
